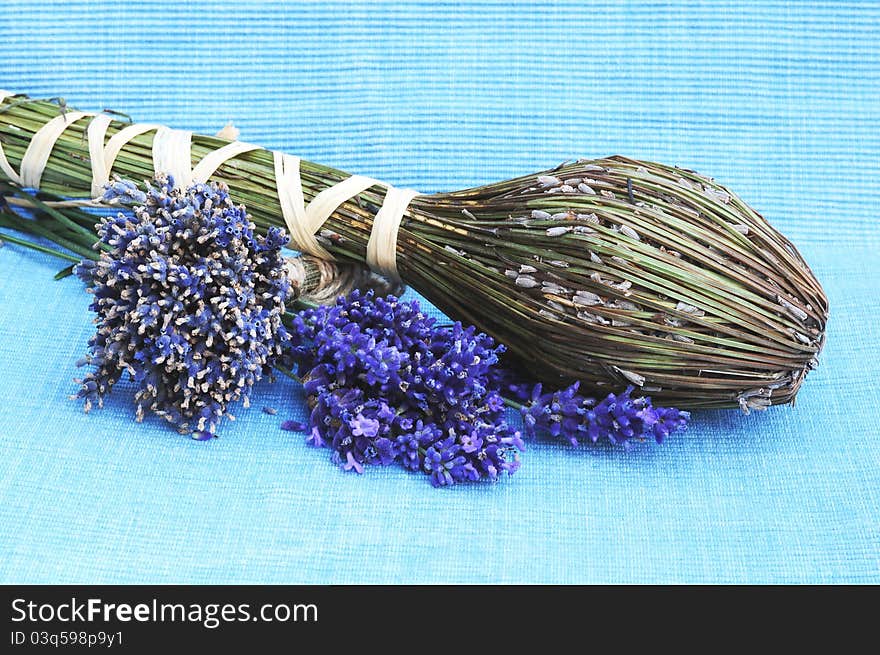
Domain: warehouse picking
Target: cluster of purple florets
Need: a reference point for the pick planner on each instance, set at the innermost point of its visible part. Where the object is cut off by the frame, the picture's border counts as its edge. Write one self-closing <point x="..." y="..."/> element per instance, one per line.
<point x="620" y="418"/>
<point x="386" y="385"/>
<point x="188" y="300"/>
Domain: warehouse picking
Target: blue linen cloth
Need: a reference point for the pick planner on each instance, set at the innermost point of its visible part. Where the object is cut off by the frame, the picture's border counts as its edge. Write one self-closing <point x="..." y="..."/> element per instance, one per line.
<point x="778" y="100"/>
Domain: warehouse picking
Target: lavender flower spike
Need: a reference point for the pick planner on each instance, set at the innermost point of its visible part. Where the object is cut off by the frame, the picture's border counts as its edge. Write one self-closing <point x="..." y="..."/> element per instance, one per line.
<point x="619" y="418"/>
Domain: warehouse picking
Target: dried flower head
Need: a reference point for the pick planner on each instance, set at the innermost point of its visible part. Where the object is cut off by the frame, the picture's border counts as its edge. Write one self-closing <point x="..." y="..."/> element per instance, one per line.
<point x="188" y="300"/>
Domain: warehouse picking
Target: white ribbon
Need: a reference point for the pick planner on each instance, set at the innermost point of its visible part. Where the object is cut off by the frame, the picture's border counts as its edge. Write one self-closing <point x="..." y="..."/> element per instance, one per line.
<point x="214" y="160"/>
<point x="382" y="246"/>
<point x="172" y="154"/>
<point x="95" y="134"/>
<point x="293" y="206"/>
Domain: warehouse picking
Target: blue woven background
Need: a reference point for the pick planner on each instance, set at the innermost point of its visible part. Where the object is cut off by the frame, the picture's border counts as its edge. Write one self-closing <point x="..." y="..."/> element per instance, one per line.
<point x="779" y="100"/>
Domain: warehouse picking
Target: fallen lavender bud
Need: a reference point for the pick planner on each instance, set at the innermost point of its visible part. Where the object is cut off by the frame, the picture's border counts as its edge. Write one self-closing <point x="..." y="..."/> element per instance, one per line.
<point x="294" y="426"/>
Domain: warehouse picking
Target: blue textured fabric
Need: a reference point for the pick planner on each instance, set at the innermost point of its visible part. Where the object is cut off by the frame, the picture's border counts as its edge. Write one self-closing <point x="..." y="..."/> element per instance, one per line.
<point x="778" y="100"/>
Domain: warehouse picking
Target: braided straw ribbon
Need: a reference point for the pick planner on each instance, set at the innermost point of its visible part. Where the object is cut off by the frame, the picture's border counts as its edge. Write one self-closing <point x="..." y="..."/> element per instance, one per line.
<point x="172" y="155"/>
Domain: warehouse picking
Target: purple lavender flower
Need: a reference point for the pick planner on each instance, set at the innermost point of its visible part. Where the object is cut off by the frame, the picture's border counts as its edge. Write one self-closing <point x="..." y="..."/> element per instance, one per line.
<point x="362" y="426"/>
<point x="620" y="418"/>
<point x="666" y="420"/>
<point x="385" y="384"/>
<point x="189" y="303"/>
<point x="351" y="463"/>
<point x="315" y="438"/>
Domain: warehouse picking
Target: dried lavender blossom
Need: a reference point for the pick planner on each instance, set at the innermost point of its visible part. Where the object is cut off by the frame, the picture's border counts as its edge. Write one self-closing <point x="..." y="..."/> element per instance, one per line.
<point x="189" y="303"/>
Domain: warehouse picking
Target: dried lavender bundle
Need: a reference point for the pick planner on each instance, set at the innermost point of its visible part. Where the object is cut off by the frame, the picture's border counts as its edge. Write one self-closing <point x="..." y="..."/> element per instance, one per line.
<point x="613" y="272"/>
